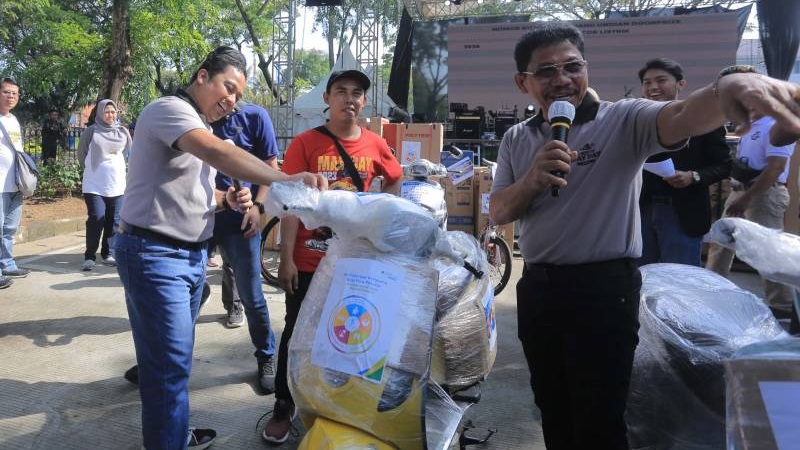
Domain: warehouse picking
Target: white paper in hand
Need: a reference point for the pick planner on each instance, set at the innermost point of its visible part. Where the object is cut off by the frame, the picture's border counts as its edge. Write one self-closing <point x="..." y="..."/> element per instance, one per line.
<point x="663" y="169"/>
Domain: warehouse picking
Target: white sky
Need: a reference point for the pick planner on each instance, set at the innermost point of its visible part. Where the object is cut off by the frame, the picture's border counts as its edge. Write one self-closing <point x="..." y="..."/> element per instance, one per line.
<point x="307" y="39"/>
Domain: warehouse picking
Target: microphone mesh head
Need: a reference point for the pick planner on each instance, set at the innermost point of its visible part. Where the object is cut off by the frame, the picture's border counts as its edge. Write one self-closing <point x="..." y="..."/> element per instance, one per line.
<point x="562" y="109"/>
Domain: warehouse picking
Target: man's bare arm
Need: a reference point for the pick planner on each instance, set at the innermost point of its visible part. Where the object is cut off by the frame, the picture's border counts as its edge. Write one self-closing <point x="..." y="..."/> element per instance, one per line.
<point x="741" y="97"/>
<point x="237" y="163"/>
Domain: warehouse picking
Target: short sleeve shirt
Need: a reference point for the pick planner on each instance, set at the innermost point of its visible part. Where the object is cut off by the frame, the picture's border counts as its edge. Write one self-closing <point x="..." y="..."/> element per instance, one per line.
<point x="754" y="147"/>
<point x="312" y="151"/>
<point x="8" y="159"/>
<point x="596" y="216"/>
<point x="169" y="191"/>
<point x="251" y="129"/>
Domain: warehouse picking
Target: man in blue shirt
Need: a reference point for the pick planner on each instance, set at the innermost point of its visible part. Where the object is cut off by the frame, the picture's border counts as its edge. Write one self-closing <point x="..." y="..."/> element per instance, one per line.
<point x="238" y="234"/>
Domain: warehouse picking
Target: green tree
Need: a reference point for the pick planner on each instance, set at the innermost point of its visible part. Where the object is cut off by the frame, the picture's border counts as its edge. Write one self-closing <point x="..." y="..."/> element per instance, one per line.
<point x="338" y="23"/>
<point x="310" y="67"/>
<point x="53" y="52"/>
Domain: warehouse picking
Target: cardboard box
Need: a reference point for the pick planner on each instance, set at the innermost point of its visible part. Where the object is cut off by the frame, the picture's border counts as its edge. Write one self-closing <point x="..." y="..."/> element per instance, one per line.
<point x="483" y="188"/>
<point x="749" y="426"/>
<point x="460" y="208"/>
<point x="420" y="141"/>
<point x="393" y="134"/>
<point x="376" y="124"/>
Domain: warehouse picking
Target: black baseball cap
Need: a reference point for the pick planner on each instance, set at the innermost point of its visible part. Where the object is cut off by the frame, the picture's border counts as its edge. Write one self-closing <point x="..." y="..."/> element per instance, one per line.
<point x="357" y="75"/>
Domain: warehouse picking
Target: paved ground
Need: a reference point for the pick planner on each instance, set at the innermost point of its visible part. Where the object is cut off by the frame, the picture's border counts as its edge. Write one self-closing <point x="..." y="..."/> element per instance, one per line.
<point x="65" y="343"/>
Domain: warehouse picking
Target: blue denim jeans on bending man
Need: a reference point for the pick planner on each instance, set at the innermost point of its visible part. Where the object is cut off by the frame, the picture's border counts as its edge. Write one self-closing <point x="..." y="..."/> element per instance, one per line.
<point x="244" y="256"/>
<point x="10" y="216"/>
<point x="663" y="239"/>
<point x="163" y="285"/>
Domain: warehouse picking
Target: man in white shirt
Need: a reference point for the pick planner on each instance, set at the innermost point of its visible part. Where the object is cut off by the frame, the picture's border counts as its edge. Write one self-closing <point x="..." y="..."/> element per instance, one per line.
<point x="10" y="196"/>
<point x="763" y="200"/>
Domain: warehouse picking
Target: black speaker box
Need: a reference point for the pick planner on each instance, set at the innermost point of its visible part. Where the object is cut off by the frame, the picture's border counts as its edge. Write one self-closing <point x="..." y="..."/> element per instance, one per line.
<point x="467" y="127"/>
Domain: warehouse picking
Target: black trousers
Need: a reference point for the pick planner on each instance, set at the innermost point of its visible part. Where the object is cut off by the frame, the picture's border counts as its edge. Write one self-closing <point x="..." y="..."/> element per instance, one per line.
<point x="578" y="325"/>
<point x="293" y="303"/>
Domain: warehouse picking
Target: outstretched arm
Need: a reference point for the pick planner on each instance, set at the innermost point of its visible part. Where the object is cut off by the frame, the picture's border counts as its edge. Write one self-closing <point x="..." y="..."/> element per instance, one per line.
<point x="742" y="97"/>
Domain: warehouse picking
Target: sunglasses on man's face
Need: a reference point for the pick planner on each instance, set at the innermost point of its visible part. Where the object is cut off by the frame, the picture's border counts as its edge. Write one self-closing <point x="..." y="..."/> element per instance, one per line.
<point x="571" y="68"/>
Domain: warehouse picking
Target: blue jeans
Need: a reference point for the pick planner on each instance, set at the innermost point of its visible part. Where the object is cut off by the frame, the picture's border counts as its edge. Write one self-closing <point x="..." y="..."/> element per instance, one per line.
<point x="163" y="285"/>
<point x="663" y="240"/>
<point x="103" y="221"/>
<point x="10" y="216"/>
<point x="244" y="257"/>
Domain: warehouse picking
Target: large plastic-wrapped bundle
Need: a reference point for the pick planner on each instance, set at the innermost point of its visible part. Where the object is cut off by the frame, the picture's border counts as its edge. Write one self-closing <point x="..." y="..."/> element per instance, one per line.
<point x="763" y="396"/>
<point x="691" y="321"/>
<point x="773" y="253"/>
<point x="465" y="341"/>
<point x="360" y="352"/>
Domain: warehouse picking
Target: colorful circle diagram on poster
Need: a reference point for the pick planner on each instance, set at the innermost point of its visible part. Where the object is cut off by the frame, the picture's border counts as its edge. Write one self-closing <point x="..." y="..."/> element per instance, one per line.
<point x="355" y="325"/>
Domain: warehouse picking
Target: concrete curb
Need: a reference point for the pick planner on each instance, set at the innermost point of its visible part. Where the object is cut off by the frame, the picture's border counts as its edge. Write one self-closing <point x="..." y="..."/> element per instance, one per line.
<point x="34" y="231"/>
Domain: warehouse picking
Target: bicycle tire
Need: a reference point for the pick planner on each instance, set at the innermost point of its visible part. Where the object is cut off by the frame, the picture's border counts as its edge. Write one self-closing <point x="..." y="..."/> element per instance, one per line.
<point x="270" y="257"/>
<point x="499" y="256"/>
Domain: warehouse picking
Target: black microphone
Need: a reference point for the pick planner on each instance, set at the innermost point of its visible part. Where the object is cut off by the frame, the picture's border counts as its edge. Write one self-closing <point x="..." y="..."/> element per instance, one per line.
<point x="561" y="114"/>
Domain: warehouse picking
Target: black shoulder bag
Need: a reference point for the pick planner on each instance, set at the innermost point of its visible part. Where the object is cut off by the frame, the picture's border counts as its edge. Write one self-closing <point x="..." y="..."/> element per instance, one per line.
<point x="348" y="161"/>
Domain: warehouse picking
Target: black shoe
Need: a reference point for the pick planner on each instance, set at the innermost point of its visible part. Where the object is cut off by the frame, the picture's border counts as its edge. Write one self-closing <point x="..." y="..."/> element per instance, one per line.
<point x="5" y="282"/>
<point x="132" y="374"/>
<point x="18" y="273"/>
<point x="266" y="376"/>
<point x="200" y="438"/>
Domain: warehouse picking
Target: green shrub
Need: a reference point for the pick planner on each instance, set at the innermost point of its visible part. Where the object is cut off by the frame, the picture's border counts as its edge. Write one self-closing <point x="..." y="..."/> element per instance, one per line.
<point x="59" y="179"/>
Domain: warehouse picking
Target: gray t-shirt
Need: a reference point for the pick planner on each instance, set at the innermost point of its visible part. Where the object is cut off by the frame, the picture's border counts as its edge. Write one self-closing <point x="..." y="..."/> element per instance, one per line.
<point x="596" y="216"/>
<point x="169" y="191"/>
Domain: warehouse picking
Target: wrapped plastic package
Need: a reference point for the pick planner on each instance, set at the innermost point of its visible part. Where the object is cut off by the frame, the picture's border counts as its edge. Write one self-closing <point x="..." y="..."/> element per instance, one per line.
<point x="361" y="349"/>
<point x="758" y="379"/>
<point x="465" y="312"/>
<point x="691" y="320"/>
<point x="773" y="253"/>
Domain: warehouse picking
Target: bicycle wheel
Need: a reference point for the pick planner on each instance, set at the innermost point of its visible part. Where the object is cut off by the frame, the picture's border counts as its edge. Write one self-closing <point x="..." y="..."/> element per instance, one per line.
<point x="499" y="255"/>
<point x="270" y="252"/>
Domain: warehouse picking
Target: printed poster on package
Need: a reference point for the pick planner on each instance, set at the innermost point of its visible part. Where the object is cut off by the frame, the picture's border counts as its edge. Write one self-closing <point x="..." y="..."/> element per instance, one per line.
<point x="357" y="326"/>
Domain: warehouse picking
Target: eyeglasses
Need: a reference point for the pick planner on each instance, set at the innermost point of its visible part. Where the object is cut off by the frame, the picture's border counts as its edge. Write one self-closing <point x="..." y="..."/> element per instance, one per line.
<point x="572" y="69"/>
<point x="10" y="93"/>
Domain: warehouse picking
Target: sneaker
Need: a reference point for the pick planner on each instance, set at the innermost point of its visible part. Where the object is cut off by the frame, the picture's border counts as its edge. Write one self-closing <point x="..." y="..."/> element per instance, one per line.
<point x="5" y="282"/>
<point x="200" y="438"/>
<point x="236" y="315"/>
<point x="109" y="260"/>
<point x="132" y="374"/>
<point x="278" y="427"/>
<point x="87" y="265"/>
<point x="266" y="376"/>
<point x="19" y="272"/>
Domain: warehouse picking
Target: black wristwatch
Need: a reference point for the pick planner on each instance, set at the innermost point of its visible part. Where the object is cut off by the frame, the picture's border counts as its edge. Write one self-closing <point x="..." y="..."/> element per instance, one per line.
<point x="695" y="177"/>
<point x="260" y="207"/>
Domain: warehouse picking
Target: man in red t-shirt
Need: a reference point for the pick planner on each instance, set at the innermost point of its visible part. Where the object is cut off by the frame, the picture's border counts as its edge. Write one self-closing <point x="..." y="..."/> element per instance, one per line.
<point x="316" y="152"/>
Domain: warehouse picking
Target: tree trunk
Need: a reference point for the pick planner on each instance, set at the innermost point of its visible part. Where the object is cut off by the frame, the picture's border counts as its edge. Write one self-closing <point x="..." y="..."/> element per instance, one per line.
<point x="118" y="67"/>
<point x="263" y="63"/>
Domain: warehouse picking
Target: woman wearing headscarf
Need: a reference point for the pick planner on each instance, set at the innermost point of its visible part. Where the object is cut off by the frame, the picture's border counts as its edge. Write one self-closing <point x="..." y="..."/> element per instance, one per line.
<point x="102" y="151"/>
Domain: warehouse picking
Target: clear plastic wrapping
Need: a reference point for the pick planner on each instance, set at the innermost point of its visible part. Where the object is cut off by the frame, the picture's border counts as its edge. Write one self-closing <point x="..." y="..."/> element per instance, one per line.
<point x="775" y="254"/>
<point x="757" y="377"/>
<point x="691" y="320"/>
<point x="465" y="341"/>
<point x="360" y="353"/>
<point x="389" y="404"/>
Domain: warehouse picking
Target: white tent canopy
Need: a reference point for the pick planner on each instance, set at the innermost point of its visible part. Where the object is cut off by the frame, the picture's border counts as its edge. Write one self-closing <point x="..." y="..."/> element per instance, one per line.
<point x="309" y="107"/>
